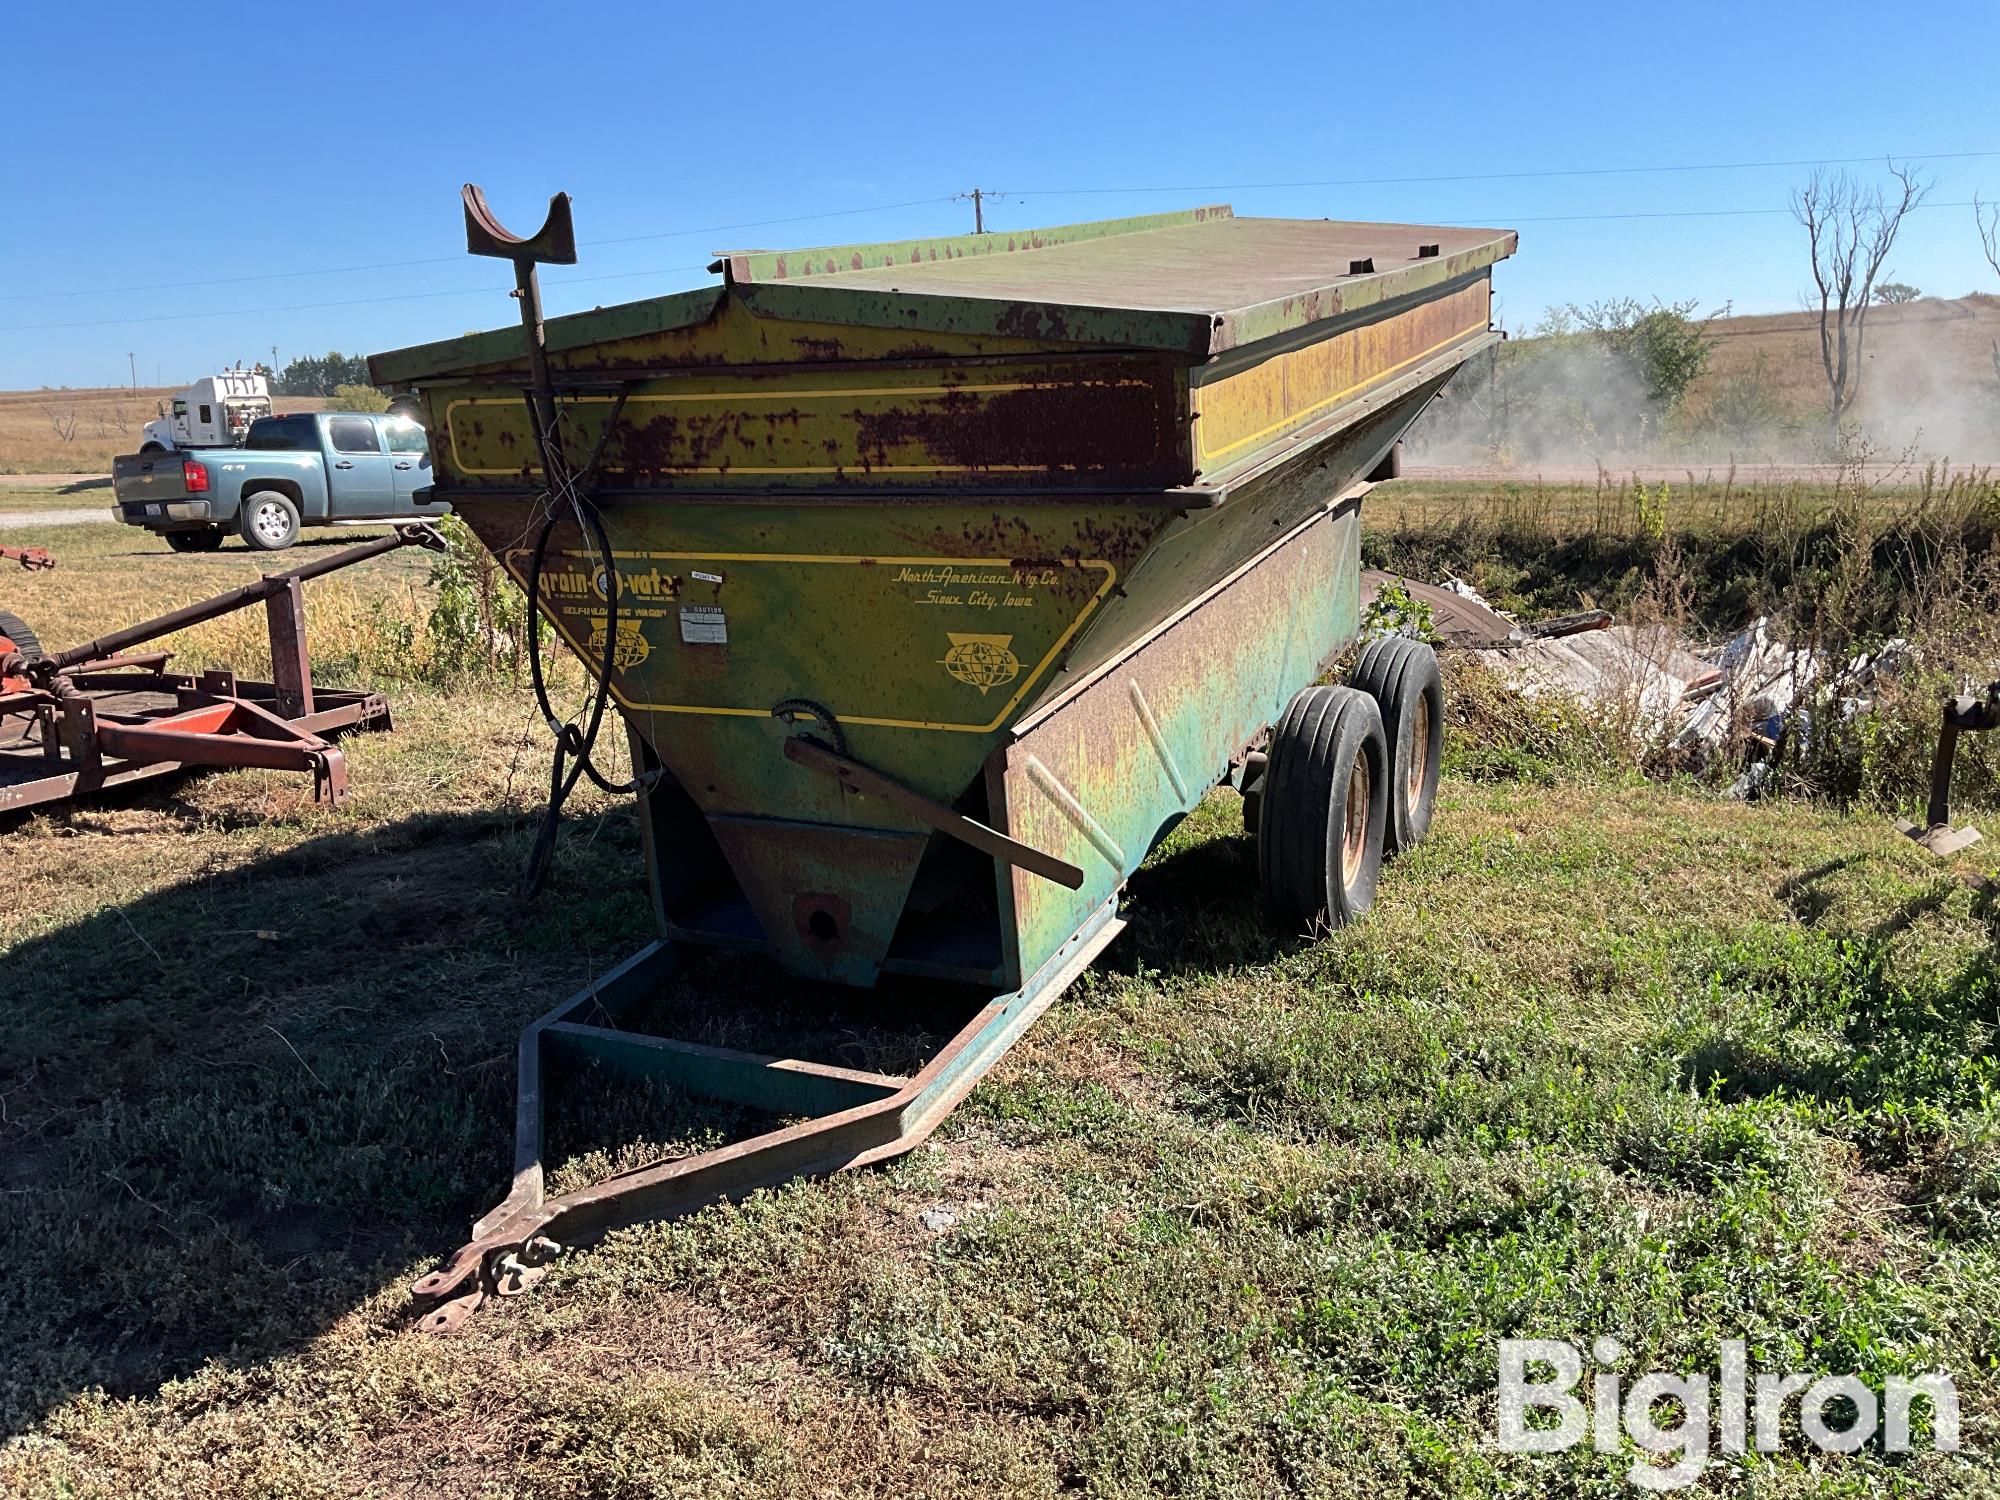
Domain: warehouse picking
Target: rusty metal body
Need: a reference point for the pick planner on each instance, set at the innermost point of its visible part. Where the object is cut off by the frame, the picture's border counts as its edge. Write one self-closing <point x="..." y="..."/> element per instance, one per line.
<point x="95" y="716"/>
<point x="946" y="576"/>
<point x="1963" y="714"/>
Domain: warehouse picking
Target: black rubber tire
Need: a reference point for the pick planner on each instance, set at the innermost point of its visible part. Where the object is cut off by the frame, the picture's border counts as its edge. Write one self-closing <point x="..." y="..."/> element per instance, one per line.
<point x="1310" y="870"/>
<point x="152" y="447"/>
<point x="267" y="541"/>
<point x="205" y="540"/>
<point x="25" y="640"/>
<point x="1401" y="675"/>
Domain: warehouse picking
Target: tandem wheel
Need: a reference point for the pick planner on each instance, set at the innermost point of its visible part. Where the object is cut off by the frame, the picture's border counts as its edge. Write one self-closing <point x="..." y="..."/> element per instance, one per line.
<point x="1350" y="776"/>
<point x="1322" y="807"/>
<point x="1401" y="675"/>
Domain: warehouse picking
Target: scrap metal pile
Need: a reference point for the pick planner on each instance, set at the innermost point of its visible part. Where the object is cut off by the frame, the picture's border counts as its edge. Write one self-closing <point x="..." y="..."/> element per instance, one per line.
<point x="1747" y="696"/>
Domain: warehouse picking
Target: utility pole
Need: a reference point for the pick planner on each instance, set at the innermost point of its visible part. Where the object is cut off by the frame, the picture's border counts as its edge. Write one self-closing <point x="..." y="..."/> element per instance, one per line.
<point x="133" y="360"/>
<point x="977" y="198"/>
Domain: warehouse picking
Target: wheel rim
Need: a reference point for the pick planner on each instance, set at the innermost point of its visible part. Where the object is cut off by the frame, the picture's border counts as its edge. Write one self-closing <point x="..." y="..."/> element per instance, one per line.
<point x="1420" y="754"/>
<point x="1354" y="833"/>
<point x="271" y="523"/>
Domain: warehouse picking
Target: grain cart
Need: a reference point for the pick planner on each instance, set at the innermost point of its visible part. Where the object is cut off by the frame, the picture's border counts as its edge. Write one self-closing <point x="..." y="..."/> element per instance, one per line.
<point x="935" y="581"/>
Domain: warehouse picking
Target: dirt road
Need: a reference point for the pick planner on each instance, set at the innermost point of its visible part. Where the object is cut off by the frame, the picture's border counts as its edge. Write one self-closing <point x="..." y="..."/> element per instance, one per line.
<point x="23" y="520"/>
<point x="1671" y="473"/>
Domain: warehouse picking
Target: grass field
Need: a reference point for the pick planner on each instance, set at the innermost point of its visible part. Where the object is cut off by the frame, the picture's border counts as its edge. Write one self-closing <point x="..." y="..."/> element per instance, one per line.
<point x="1240" y="1216"/>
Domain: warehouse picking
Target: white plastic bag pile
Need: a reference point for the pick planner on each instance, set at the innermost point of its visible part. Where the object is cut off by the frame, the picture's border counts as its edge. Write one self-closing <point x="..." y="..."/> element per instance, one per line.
<point x="1694" y="700"/>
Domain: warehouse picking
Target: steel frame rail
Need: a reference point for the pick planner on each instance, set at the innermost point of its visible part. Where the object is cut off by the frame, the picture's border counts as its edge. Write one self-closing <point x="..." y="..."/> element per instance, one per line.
<point x="856" y="1118"/>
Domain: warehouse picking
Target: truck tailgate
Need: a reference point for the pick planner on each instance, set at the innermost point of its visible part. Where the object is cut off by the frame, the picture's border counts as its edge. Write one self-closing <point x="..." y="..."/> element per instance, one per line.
<point x="140" y="477"/>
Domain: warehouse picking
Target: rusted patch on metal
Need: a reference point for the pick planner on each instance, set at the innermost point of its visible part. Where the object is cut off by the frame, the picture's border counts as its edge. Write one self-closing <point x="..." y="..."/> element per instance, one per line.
<point x="1088" y="426"/>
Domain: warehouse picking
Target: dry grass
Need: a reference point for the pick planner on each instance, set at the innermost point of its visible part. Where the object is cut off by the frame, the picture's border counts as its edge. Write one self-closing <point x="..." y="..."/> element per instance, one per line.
<point x="1243" y="1216"/>
<point x="80" y="431"/>
<point x="370" y="625"/>
<point x="1717" y="506"/>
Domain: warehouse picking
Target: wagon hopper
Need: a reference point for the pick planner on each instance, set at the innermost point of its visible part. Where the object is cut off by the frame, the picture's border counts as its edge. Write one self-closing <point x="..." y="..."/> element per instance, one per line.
<point x="936" y="580"/>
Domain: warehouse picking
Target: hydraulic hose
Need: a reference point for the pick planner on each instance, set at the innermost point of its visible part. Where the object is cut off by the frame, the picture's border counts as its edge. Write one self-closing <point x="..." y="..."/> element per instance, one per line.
<point x="572" y="758"/>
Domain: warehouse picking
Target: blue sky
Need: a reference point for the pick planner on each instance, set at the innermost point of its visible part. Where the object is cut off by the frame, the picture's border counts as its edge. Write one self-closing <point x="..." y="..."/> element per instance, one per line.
<point x="308" y="139"/>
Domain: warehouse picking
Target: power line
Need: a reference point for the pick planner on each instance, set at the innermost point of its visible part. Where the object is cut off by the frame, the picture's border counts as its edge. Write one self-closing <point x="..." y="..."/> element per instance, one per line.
<point x="1490" y="220"/>
<point x="1686" y="213"/>
<point x="835" y="213"/>
<point x="1713" y="166"/>
<point x="441" y="260"/>
<point x="243" y="312"/>
<point x="1495" y="220"/>
<point x="1210" y="187"/>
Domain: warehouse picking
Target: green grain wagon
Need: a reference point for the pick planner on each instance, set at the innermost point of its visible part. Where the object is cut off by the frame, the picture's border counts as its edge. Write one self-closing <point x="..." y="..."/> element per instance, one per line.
<point x="946" y="576"/>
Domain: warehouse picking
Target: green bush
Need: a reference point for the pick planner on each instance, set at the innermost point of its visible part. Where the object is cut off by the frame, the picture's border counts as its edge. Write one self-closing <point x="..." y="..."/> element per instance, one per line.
<point x="479" y="622"/>
<point x="359" y="398"/>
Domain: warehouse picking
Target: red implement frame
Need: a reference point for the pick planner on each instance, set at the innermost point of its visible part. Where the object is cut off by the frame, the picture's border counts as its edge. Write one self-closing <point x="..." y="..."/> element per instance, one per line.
<point x="94" y="717"/>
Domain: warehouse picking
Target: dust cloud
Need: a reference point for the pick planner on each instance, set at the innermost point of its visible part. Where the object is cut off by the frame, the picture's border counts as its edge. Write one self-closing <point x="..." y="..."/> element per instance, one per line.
<point x="1568" y="400"/>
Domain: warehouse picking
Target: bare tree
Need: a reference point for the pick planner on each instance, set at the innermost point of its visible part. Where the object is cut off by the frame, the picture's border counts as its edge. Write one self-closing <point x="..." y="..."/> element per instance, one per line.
<point x="62" y="419"/>
<point x="1987" y="217"/>
<point x="1851" y="228"/>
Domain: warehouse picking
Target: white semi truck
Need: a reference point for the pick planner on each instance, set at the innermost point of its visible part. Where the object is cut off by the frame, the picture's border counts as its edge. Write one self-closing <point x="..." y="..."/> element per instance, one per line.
<point x="215" y="412"/>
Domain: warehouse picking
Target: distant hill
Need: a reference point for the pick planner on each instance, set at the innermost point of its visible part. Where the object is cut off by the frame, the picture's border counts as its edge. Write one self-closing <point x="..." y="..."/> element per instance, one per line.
<point x="1928" y="380"/>
<point x="1927" y="365"/>
<point x="101" y="423"/>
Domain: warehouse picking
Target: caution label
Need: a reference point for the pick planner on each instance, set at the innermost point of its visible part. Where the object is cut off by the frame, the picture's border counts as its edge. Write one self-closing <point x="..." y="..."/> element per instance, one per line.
<point x="704" y="625"/>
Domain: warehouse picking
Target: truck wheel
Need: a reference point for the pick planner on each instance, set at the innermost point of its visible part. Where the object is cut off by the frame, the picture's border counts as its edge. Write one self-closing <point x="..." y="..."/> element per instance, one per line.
<point x="1325" y="798"/>
<point x="268" y="521"/>
<point x="15" y="629"/>
<point x="205" y="540"/>
<point x="1401" y="675"/>
<point x="152" y="447"/>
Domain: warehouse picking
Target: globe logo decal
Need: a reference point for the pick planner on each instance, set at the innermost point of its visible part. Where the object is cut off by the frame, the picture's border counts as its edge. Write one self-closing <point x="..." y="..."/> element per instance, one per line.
<point x="982" y="661"/>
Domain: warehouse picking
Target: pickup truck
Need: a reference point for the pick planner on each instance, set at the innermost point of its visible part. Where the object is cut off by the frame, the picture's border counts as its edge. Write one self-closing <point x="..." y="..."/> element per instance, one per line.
<point x="322" y="469"/>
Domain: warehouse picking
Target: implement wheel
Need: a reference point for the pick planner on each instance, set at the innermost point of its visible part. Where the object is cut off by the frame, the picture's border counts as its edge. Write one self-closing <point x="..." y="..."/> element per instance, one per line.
<point x="1324" y="802"/>
<point x="14" y="630"/>
<point x="1401" y="675"/>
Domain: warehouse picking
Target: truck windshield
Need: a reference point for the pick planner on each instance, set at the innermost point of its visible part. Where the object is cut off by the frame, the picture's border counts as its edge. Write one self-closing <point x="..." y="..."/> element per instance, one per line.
<point x="284" y="435"/>
<point x="406" y="436"/>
